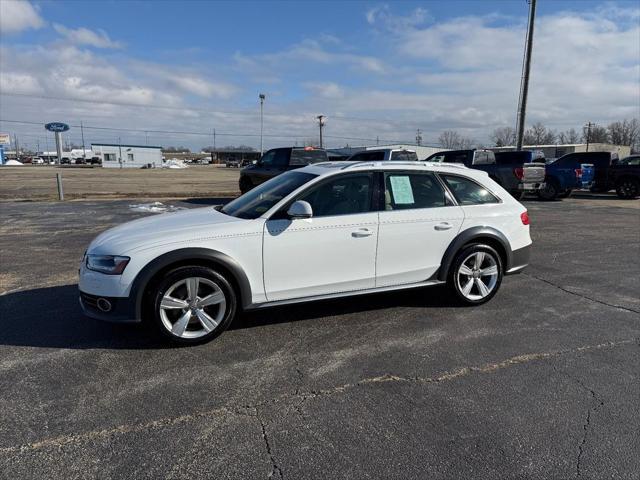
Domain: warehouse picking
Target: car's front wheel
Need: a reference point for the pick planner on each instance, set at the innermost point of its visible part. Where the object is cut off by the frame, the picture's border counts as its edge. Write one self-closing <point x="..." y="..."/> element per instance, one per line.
<point x="193" y="305"/>
<point x="476" y="274"/>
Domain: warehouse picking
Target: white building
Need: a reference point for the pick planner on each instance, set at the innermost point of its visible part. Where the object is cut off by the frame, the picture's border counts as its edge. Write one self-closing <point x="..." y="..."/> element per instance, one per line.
<point x="127" y="156"/>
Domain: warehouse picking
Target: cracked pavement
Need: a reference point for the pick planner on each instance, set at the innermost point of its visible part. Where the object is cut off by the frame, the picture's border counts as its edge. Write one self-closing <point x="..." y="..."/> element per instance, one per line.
<point x="542" y="382"/>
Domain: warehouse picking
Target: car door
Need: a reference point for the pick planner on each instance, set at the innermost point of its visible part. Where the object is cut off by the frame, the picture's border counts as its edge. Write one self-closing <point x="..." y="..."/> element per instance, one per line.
<point x="418" y="222"/>
<point x="332" y="252"/>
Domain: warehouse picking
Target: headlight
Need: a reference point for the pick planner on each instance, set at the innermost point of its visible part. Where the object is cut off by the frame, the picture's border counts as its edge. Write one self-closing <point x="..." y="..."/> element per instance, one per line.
<point x="109" y="264"/>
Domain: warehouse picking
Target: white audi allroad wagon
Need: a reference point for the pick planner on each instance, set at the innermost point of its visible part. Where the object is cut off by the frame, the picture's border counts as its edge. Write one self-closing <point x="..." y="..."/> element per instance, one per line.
<point x="324" y="231"/>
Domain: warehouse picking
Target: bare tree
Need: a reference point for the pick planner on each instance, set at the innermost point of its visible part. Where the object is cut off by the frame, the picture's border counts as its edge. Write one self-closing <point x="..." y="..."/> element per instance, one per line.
<point x="453" y="140"/>
<point x="176" y="150"/>
<point x="538" y="134"/>
<point x="569" y="137"/>
<point x="503" y="136"/>
<point x="623" y="133"/>
<point x="595" y="134"/>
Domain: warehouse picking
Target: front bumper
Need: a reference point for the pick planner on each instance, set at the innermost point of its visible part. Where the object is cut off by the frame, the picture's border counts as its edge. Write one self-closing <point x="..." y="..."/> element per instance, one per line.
<point x="121" y="310"/>
<point x="519" y="260"/>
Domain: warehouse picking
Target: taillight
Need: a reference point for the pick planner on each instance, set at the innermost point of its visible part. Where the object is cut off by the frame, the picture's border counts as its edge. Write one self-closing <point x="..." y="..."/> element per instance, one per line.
<point x="578" y="173"/>
<point x="519" y="173"/>
<point x="524" y="216"/>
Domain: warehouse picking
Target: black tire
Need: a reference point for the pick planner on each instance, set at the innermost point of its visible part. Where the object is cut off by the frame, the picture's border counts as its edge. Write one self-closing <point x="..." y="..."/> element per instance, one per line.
<point x="464" y="253"/>
<point x="628" y="188"/>
<point x="566" y="193"/>
<point x="550" y="191"/>
<point x="245" y="185"/>
<point x="517" y="194"/>
<point x="175" y="276"/>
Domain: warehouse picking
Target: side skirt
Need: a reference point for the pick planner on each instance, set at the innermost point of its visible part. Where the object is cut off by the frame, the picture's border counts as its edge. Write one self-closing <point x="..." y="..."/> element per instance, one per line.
<point x="288" y="301"/>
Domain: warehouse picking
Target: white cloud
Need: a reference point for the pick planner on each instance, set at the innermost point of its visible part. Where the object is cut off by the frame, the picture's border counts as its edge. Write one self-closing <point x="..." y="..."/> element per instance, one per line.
<point x="84" y="36"/>
<point x="382" y="16"/>
<point x="326" y="89"/>
<point x="308" y="54"/>
<point x="18" y="15"/>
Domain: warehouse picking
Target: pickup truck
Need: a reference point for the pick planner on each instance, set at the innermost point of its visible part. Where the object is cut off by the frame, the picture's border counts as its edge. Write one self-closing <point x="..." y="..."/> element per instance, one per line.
<point x="624" y="176"/>
<point x="514" y="174"/>
<point x="277" y="161"/>
<point x="565" y="174"/>
<point x="611" y="173"/>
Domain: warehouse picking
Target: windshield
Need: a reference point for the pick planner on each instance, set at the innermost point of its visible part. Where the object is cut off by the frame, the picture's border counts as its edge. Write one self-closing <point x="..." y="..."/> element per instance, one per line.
<point x="257" y="201"/>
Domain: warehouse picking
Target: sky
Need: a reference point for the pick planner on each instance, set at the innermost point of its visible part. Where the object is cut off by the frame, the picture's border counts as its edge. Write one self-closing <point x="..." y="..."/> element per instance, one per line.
<point x="137" y="72"/>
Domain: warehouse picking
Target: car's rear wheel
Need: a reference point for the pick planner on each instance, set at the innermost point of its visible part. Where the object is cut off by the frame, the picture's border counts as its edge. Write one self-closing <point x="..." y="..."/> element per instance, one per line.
<point x="628" y="188"/>
<point x="193" y="305"/>
<point x="476" y="274"/>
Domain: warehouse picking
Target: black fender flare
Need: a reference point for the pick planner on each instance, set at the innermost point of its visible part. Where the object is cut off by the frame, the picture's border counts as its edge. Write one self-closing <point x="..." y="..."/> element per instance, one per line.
<point x="141" y="281"/>
<point x="468" y="236"/>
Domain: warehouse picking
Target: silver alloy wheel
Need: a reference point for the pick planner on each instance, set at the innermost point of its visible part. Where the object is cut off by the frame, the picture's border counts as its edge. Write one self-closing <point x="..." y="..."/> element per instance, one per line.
<point x="477" y="275"/>
<point x="193" y="307"/>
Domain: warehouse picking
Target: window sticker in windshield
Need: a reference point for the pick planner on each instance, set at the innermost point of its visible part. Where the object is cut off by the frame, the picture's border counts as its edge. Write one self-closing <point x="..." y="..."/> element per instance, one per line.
<point x="401" y="190"/>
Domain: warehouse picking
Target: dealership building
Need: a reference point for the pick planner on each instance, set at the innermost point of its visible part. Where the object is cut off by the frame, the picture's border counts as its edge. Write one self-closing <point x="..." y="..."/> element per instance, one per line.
<point x="127" y="156"/>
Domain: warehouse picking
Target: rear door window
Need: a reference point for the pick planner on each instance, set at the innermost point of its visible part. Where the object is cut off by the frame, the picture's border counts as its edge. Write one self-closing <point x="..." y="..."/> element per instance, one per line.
<point x="404" y="190"/>
<point x="468" y="192"/>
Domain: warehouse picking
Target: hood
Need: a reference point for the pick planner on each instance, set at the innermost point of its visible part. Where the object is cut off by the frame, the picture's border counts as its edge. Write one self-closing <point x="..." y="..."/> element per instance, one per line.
<point x="161" y="229"/>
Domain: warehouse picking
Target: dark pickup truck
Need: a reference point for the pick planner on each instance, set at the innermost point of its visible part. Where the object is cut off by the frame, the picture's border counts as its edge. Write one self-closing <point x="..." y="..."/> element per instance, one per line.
<point x="276" y="161"/>
<point x="512" y="173"/>
<point x="623" y="176"/>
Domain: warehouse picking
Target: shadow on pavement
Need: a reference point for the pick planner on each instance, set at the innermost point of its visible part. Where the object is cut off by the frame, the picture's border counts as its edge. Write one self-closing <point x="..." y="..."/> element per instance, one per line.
<point x="52" y="318"/>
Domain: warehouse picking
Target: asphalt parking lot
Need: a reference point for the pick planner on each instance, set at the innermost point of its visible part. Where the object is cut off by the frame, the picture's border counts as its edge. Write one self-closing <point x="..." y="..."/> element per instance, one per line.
<point x="542" y="382"/>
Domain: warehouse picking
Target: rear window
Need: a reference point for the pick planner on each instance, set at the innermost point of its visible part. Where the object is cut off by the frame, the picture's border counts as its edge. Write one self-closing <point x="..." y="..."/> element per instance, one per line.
<point x="305" y="157"/>
<point x="512" y="158"/>
<point x="404" y="155"/>
<point x="468" y="192"/>
<point x="456" y="157"/>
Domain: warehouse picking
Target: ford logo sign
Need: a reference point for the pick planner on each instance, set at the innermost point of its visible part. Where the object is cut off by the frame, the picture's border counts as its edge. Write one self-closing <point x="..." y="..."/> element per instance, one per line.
<point x="57" y="127"/>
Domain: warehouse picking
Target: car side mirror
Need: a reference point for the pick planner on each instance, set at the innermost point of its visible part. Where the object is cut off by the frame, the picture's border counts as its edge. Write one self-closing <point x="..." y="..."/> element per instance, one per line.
<point x="300" y="209"/>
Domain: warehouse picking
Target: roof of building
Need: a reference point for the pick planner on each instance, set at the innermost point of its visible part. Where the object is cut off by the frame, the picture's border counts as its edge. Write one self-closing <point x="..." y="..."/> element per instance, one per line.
<point x="123" y="145"/>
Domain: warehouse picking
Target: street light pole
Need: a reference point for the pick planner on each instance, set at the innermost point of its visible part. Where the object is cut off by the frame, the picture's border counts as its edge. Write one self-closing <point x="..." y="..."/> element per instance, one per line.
<point x="84" y="153"/>
<point x="524" y="85"/>
<point x="321" y="124"/>
<point x="261" y="97"/>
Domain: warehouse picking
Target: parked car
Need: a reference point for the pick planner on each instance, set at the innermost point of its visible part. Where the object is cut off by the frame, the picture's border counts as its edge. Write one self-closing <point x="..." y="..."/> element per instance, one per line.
<point x="624" y="176"/>
<point x="384" y="154"/>
<point x="38" y="161"/>
<point x="65" y="161"/>
<point x="321" y="231"/>
<point x="513" y="173"/>
<point x="277" y="161"/>
<point x="565" y="174"/>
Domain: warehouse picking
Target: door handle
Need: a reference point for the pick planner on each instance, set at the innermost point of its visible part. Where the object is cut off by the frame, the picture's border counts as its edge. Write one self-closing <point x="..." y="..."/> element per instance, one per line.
<point x="443" y="226"/>
<point x="361" y="233"/>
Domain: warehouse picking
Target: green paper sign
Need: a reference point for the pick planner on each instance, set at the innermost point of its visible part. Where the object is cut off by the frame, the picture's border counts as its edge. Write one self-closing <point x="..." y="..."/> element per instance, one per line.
<point x="401" y="190"/>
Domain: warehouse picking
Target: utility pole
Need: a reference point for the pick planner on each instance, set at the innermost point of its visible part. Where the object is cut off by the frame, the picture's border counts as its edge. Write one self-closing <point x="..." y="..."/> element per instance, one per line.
<point x="214" y="139"/>
<point x="377" y="140"/>
<point x="418" y="137"/>
<point x="526" y="68"/>
<point x="15" y="144"/>
<point x="320" y="124"/>
<point x="589" y="125"/>
<point x="261" y="97"/>
<point x="120" y="151"/>
<point x="84" y="152"/>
